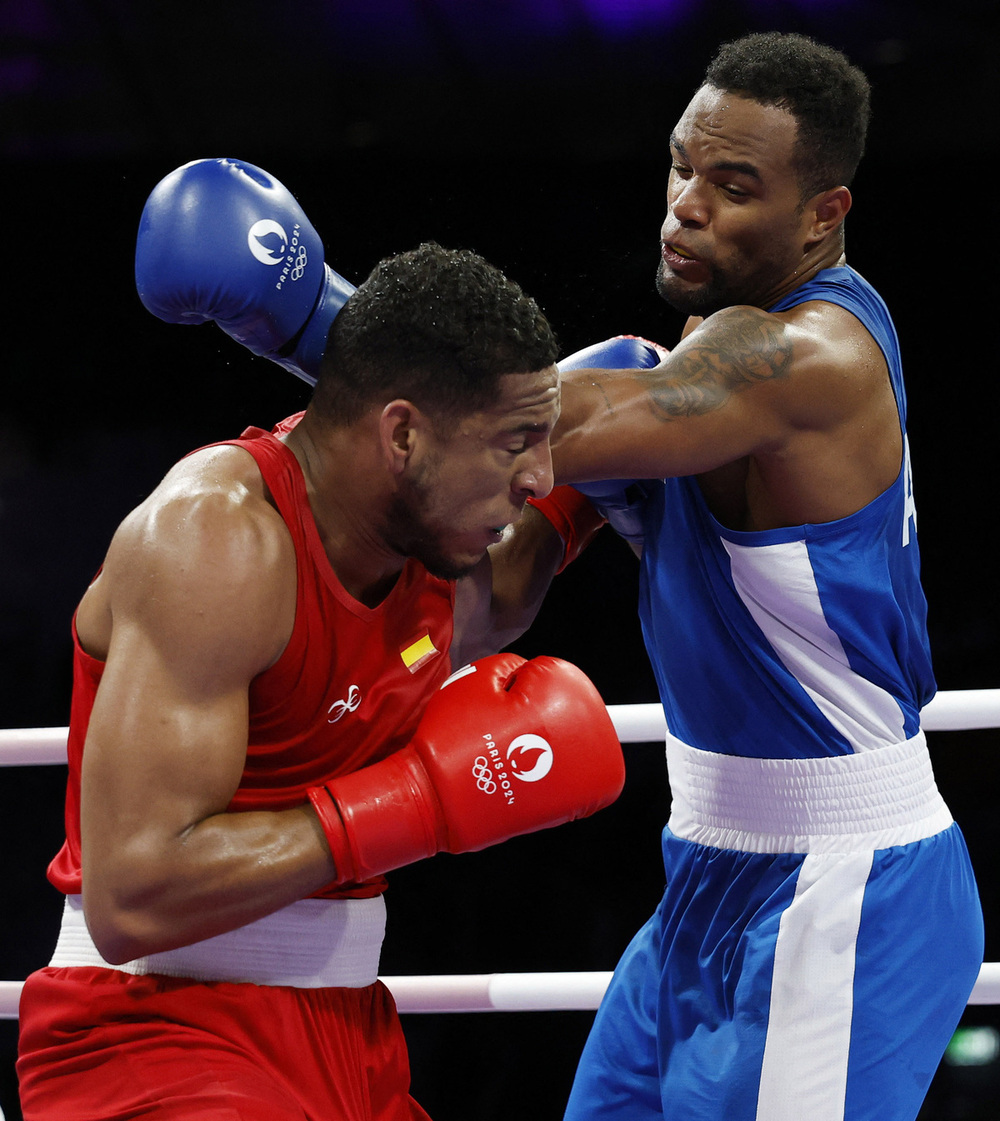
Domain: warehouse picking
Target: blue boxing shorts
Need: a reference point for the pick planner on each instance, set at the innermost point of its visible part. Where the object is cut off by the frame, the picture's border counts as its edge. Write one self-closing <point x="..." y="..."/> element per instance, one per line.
<point x="822" y="982"/>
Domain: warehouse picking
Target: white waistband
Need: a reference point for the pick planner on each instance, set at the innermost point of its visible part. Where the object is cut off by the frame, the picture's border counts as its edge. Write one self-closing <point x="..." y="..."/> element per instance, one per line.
<point x="312" y="944"/>
<point x="844" y="803"/>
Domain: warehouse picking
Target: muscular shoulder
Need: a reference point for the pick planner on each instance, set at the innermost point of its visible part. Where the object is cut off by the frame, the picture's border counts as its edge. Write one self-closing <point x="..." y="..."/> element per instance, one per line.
<point x="813" y="364"/>
<point x="206" y="557"/>
<point x="825" y="404"/>
<point x="211" y="507"/>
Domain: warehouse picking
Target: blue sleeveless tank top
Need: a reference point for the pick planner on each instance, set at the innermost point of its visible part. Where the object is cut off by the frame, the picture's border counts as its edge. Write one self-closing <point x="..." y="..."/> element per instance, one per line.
<point x="797" y="642"/>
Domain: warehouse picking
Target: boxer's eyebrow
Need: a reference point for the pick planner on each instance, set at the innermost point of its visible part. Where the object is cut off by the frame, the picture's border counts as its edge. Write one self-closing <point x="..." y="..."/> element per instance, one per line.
<point x="740" y="167"/>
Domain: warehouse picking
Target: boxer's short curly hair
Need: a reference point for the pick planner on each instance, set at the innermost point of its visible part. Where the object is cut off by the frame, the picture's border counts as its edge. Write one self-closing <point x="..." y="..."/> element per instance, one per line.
<point x="829" y="97"/>
<point x="438" y="327"/>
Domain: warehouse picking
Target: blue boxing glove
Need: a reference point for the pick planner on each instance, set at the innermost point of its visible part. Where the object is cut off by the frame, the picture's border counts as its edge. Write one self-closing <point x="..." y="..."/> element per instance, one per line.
<point x="621" y="501"/>
<point x="222" y="240"/>
<point x="623" y="352"/>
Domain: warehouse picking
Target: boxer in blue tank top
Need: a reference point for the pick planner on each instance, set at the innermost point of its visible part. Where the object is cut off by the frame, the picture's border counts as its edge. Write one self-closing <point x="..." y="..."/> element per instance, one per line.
<point x="820" y="931"/>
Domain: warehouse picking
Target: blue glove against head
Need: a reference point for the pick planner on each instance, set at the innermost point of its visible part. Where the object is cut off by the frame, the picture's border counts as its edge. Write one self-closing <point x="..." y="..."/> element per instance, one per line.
<point x="623" y="352"/>
<point x="621" y="501"/>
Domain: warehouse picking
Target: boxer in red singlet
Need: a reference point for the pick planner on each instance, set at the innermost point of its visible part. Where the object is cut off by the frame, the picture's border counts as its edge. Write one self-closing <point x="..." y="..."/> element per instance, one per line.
<point x="265" y="719"/>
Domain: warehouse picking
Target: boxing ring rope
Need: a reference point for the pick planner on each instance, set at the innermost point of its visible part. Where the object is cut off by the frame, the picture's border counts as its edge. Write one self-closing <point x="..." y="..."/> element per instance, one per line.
<point x="957" y="710"/>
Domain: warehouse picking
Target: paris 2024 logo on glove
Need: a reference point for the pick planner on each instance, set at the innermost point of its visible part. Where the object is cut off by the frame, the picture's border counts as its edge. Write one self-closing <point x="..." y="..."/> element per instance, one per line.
<point x="528" y="758"/>
<point x="287" y="251"/>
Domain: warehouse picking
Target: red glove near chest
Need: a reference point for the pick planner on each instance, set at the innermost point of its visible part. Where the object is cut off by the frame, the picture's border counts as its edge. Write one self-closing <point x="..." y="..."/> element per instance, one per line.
<point x="506" y="747"/>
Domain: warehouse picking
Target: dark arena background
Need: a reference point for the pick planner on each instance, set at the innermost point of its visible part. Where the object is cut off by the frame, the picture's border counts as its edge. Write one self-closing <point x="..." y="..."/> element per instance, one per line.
<point x="533" y="131"/>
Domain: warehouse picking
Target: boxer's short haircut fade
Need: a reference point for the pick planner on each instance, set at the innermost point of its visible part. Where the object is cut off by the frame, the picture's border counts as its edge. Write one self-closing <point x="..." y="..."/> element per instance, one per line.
<point x="438" y="327"/>
<point x="829" y="97"/>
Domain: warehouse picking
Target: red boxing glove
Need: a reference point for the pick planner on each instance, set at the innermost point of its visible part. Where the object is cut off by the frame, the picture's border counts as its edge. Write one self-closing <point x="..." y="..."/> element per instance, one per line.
<point x="573" y="516"/>
<point x="506" y="747"/>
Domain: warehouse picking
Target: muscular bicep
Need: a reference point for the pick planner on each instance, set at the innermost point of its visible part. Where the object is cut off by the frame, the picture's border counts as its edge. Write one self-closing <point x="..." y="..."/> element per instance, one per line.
<point x="164" y="748"/>
<point x="200" y="595"/>
<point x="721" y="394"/>
<point x="201" y="601"/>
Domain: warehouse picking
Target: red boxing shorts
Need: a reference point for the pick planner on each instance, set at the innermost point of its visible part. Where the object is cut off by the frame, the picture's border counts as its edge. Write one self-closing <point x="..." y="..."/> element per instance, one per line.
<point x="100" y="1043"/>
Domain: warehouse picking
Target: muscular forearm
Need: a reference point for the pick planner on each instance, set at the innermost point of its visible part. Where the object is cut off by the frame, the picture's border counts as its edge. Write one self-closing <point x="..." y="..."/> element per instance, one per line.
<point x="157" y="892"/>
<point x="579" y="453"/>
<point x="523" y="566"/>
<point x="497" y="602"/>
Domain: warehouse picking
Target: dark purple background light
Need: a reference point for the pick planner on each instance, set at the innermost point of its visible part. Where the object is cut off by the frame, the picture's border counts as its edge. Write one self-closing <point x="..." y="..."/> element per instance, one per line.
<point x="535" y="132"/>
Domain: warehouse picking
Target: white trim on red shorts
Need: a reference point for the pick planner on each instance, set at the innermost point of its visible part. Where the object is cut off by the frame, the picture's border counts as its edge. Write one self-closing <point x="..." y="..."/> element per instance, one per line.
<point x="311" y="944"/>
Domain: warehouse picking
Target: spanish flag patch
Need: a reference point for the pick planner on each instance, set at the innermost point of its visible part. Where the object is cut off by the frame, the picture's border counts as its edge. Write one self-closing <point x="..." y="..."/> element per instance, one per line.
<point x="418" y="652"/>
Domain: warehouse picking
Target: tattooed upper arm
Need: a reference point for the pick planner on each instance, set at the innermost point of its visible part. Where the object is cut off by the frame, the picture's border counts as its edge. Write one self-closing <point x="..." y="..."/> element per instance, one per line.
<point x="690" y="414"/>
<point x="735" y="349"/>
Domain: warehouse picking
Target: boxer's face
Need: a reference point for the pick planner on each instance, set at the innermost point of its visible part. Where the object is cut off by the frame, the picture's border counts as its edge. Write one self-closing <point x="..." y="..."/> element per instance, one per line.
<point x="466" y="486"/>
<point x="735" y="229"/>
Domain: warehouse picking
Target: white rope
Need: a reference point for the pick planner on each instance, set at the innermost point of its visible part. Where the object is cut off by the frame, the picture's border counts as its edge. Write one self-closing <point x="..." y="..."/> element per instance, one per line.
<point x="958" y="710"/>
<point x="10" y="994"/>
<point x="30" y="747"/>
<point x="500" y="992"/>
<point x="534" y="992"/>
<point x="513" y="992"/>
<point x="962" y="710"/>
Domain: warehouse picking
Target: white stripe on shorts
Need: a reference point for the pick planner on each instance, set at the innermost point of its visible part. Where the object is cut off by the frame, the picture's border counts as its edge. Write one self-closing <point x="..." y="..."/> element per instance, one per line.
<point x="804" y="1072"/>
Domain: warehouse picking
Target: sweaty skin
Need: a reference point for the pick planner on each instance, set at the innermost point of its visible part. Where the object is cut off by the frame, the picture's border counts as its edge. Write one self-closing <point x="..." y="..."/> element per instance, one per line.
<point x="197" y="596"/>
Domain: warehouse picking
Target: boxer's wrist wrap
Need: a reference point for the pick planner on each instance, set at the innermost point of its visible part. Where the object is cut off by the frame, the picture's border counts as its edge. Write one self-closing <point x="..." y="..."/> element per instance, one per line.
<point x="573" y="517"/>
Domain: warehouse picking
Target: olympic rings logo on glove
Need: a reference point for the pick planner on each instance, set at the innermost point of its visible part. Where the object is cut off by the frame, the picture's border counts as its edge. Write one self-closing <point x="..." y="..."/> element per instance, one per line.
<point x="299" y="268"/>
<point x="483" y="775"/>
